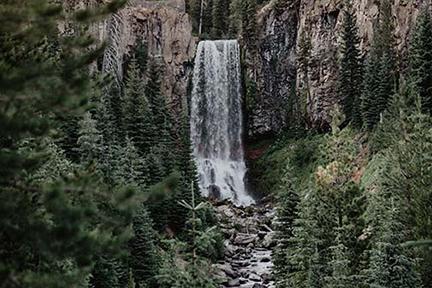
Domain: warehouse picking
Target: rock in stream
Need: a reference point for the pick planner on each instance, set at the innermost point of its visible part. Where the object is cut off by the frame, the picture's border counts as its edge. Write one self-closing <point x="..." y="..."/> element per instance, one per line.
<point x="248" y="246"/>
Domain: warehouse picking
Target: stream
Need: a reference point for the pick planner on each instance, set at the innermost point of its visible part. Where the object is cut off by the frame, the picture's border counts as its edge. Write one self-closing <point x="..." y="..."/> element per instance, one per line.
<point x="248" y="245"/>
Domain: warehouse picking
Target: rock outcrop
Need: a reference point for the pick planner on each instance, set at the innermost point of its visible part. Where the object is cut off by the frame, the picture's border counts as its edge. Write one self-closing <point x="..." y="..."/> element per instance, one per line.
<point x="166" y="29"/>
<point x="321" y="20"/>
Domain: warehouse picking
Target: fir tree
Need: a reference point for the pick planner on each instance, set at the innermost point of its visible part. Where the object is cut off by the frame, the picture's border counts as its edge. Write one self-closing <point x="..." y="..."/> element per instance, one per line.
<point x="105" y="274"/>
<point x="303" y="67"/>
<point x="381" y="79"/>
<point x="350" y="72"/>
<point x="130" y="168"/>
<point x="89" y="141"/>
<point x="141" y="55"/>
<point x="389" y="264"/>
<point x="370" y="90"/>
<point x="219" y="16"/>
<point x="286" y="215"/>
<point x="145" y="260"/>
<point x="421" y="58"/>
<point x="161" y="117"/>
<point x="137" y="114"/>
<point x="249" y="25"/>
<point x="341" y="276"/>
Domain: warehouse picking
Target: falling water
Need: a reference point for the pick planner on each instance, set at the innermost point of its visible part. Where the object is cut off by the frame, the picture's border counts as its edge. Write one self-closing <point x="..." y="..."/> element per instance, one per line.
<point x="216" y="121"/>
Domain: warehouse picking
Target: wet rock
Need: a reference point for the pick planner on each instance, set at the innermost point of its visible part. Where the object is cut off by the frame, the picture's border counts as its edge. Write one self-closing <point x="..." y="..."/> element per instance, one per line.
<point x="254" y="277"/>
<point x="234" y="282"/>
<point x="244" y="239"/>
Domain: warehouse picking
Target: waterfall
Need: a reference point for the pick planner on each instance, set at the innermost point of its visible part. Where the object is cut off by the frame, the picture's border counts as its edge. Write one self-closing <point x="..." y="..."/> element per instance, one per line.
<point x="216" y="121"/>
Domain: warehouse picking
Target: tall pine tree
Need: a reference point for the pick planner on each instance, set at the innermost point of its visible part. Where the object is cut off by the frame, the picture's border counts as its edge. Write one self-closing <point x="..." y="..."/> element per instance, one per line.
<point x="350" y="72"/>
<point x="421" y="58"/>
<point x="381" y="79"/>
<point x="145" y="260"/>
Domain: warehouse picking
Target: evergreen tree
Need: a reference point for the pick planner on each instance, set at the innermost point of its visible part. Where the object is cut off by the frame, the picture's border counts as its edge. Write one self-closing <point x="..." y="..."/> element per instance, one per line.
<point x="219" y="16"/>
<point x="137" y="114"/>
<point x="48" y="232"/>
<point x="350" y="72"/>
<point x="130" y="168"/>
<point x="421" y="58"/>
<point x="303" y="64"/>
<point x="286" y="215"/>
<point x="341" y="276"/>
<point x="106" y="274"/>
<point x="389" y="264"/>
<point x="55" y="166"/>
<point x="381" y="80"/>
<point x="141" y="56"/>
<point x="161" y="117"/>
<point x="371" y="84"/>
<point x="249" y="25"/>
<point x="145" y="260"/>
<point x="89" y="141"/>
<point x="235" y="18"/>
<point x="303" y="255"/>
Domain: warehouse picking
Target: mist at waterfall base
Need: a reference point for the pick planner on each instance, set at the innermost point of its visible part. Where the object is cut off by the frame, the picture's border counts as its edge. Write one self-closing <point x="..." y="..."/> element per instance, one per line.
<point x="216" y="122"/>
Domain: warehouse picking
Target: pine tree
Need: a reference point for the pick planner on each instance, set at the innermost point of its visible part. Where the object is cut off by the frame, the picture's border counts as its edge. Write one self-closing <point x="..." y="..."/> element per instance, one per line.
<point x="389" y="264"/>
<point x="130" y="169"/>
<point x="105" y="274"/>
<point x="421" y="58"/>
<point x="145" y="260"/>
<point x="161" y="117"/>
<point x="89" y="141"/>
<point x="381" y="79"/>
<point x="303" y="255"/>
<point x="219" y="16"/>
<point x="56" y="166"/>
<point x="350" y="72"/>
<point x="141" y="55"/>
<point x="137" y="114"/>
<point x="286" y="215"/>
<point x="235" y="18"/>
<point x="249" y="24"/>
<point x="303" y="64"/>
<point x="370" y="90"/>
<point x="341" y="276"/>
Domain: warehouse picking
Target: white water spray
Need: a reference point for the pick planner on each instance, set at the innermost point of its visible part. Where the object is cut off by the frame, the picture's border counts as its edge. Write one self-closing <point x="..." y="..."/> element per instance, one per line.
<point x="216" y="121"/>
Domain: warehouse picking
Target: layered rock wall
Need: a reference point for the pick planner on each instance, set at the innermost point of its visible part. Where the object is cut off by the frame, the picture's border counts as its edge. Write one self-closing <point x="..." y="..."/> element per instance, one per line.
<point x="165" y="28"/>
<point x="321" y="20"/>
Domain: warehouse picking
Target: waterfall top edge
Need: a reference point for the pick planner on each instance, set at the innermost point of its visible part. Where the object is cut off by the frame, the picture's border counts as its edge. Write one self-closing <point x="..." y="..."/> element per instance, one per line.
<point x="220" y="41"/>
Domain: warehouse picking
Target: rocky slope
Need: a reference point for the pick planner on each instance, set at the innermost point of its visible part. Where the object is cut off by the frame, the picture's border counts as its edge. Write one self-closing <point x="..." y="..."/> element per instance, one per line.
<point x="275" y="70"/>
<point x="248" y="246"/>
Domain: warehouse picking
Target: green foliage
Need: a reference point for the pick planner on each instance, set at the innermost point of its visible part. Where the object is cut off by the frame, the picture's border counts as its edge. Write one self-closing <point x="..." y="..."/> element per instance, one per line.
<point x="249" y="25"/>
<point x="380" y="82"/>
<point x="145" y="260"/>
<point x="421" y="58"/>
<point x="303" y="63"/>
<point x="220" y="18"/>
<point x="137" y="114"/>
<point x="350" y="71"/>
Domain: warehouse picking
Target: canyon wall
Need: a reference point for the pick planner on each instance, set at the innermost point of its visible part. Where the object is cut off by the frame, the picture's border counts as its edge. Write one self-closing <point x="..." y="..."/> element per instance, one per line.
<point x="166" y="29"/>
<point x="321" y="21"/>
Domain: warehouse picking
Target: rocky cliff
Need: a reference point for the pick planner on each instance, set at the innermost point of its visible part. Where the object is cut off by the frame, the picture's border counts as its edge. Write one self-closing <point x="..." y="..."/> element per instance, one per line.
<point x="279" y="32"/>
<point x="165" y="28"/>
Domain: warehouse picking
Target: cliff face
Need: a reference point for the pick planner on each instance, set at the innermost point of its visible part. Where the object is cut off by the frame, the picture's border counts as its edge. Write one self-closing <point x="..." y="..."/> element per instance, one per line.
<point x="166" y="29"/>
<point x="273" y="69"/>
<point x="321" y="20"/>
